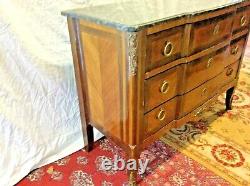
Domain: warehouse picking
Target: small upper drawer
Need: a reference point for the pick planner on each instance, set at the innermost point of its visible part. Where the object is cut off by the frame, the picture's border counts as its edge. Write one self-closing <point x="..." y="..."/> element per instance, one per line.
<point x="164" y="47"/>
<point x="208" y="33"/>
<point x="198" y="96"/>
<point x="241" y="20"/>
<point x="235" y="51"/>
<point x="205" y="68"/>
<point x="162" y="87"/>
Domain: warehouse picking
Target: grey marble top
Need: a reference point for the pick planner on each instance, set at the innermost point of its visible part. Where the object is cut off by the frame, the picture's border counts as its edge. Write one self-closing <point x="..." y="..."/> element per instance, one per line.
<point x="137" y="14"/>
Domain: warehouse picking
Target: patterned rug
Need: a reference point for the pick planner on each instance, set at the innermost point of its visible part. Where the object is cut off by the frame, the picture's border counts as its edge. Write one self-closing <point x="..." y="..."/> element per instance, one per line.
<point x="214" y="151"/>
<point x="167" y="167"/>
<point x="221" y="140"/>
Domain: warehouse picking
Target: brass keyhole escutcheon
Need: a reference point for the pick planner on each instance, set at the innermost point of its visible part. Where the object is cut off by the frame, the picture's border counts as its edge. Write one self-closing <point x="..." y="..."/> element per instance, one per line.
<point x="216" y="29"/>
<point x="235" y="50"/>
<point x="168" y="49"/>
<point x="161" y="115"/>
<point x="209" y="62"/>
<point x="243" y="21"/>
<point x="164" y="87"/>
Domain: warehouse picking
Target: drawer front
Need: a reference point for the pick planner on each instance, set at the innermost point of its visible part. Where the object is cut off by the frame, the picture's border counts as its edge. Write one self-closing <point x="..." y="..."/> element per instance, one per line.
<point x="160" y="116"/>
<point x="198" y="96"/>
<point x="230" y="72"/>
<point x="161" y="88"/>
<point x="204" y="69"/>
<point x="235" y="51"/>
<point x="208" y="33"/>
<point x="164" y="47"/>
<point x="242" y="19"/>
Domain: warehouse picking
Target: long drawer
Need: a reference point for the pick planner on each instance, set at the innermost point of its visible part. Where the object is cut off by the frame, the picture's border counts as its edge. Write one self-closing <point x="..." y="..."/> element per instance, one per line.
<point x="165" y="113"/>
<point x="204" y="69"/>
<point x="198" y="96"/>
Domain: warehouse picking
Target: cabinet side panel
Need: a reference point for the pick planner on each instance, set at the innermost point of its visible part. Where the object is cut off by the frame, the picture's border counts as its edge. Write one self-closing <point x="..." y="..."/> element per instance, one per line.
<point x="101" y="59"/>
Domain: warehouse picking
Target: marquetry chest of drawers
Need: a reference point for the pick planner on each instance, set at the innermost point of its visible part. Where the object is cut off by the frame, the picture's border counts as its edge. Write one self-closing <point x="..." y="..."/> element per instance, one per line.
<point x="144" y="67"/>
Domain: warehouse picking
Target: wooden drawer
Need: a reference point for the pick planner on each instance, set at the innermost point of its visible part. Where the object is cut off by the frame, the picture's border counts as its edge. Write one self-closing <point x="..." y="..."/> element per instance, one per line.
<point x="160" y="116"/>
<point x="241" y="20"/>
<point x="230" y="72"/>
<point x="204" y="69"/>
<point x="198" y="96"/>
<point x="235" y="51"/>
<point x="164" y="47"/>
<point x="211" y="32"/>
<point x="162" y="87"/>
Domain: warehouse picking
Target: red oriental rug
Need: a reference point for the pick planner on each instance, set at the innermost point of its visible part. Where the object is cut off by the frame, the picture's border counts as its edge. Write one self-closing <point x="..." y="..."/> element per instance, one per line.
<point x="167" y="167"/>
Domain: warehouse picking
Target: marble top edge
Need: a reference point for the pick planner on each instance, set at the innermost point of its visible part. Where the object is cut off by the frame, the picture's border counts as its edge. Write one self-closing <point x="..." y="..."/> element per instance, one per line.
<point x="122" y="17"/>
<point x="119" y="26"/>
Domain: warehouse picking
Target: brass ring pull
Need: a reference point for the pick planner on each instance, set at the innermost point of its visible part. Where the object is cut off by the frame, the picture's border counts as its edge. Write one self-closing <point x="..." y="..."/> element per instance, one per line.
<point x="204" y="91"/>
<point x="216" y="29"/>
<point x="161" y="115"/>
<point x="209" y="62"/>
<point x="243" y="21"/>
<point x="168" y="49"/>
<point x="235" y="50"/>
<point x="229" y="71"/>
<point x="164" y="87"/>
<point x="199" y="113"/>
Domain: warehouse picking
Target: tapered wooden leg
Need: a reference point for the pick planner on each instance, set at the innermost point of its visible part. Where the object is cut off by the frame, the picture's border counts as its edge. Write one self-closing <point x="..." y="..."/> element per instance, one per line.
<point x="134" y="154"/>
<point x="88" y="136"/>
<point x="132" y="176"/>
<point x="229" y="98"/>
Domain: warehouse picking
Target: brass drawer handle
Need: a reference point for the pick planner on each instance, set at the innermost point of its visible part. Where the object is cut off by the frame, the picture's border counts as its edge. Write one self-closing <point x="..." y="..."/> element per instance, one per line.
<point x="161" y="115"/>
<point x="216" y="29"/>
<point x="243" y="21"/>
<point x="235" y="50"/>
<point x="209" y="62"/>
<point x="229" y="71"/>
<point x="168" y="49"/>
<point x="164" y="87"/>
